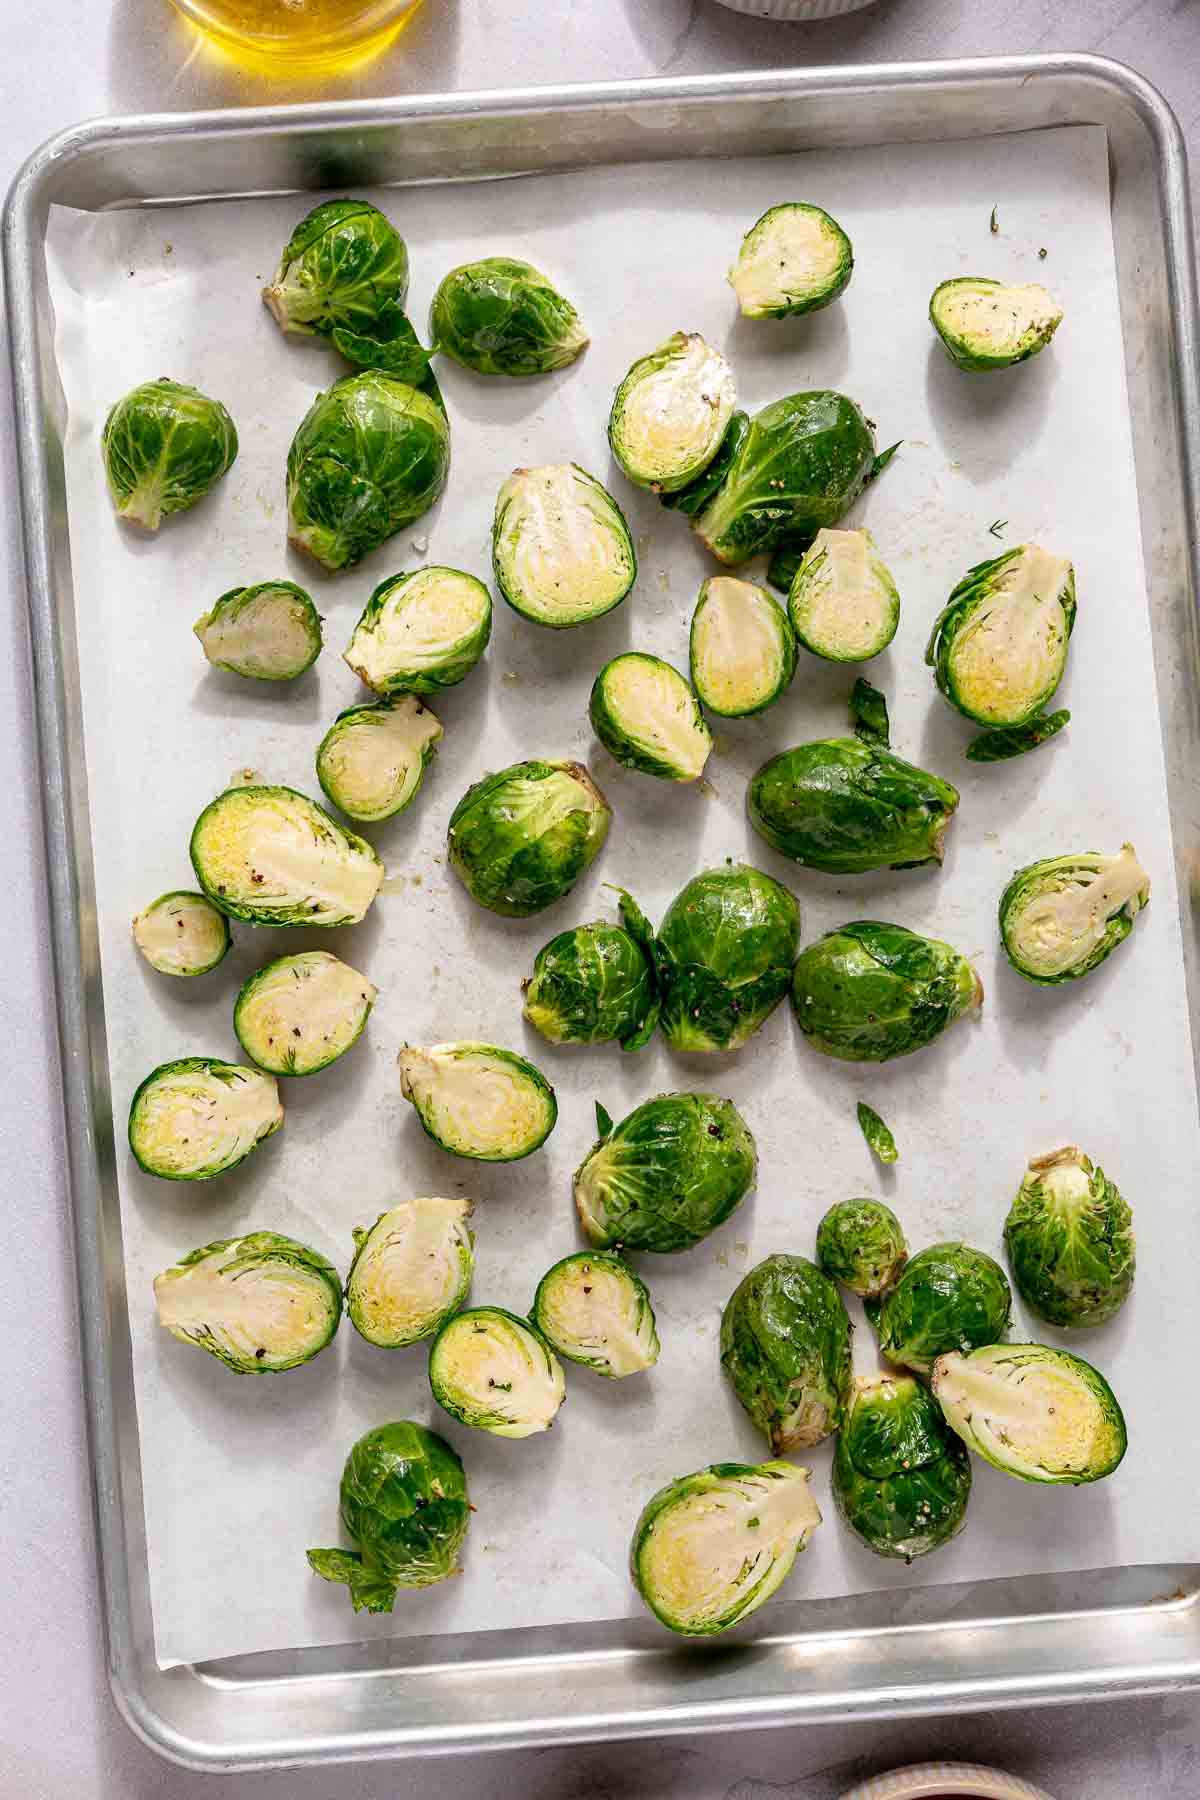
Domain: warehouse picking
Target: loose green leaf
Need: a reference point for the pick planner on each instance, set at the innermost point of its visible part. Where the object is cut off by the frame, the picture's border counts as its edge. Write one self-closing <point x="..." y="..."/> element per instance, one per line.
<point x="997" y="746"/>
<point x="604" y="1122"/>
<point x="786" y="559"/>
<point x="993" y="223"/>
<point x="997" y="526"/>
<point x="869" y="714"/>
<point x="877" y="1134"/>
<point x="883" y="459"/>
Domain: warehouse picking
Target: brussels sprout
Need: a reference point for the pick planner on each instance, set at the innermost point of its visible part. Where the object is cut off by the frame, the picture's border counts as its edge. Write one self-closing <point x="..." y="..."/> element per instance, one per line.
<point x="369" y="456"/>
<point x="475" y="1100"/>
<point x="1033" y="1412"/>
<point x="561" y="548"/>
<point x="371" y="761"/>
<point x="667" y="1175"/>
<point x="164" y="446"/>
<point x="709" y="1548"/>
<point x="421" y="631"/>
<point x="795" y="259"/>
<point x="271" y="632"/>
<point x="648" y="718"/>
<point x="724" y="955"/>
<point x="785" y="1346"/>
<point x="948" y="1297"/>
<point x="411" y="1271"/>
<point x="699" y="491"/>
<point x="594" y="1310"/>
<point x="998" y="746"/>
<point x="182" y="934"/>
<point x="1060" y="918"/>
<point x="803" y="462"/>
<point x="870" y="991"/>
<point x="1069" y="1237"/>
<point x="901" y="1479"/>
<point x="503" y="317"/>
<point x="671" y="412"/>
<point x="862" y="1244"/>
<point x="877" y="1134"/>
<point x="596" y="983"/>
<point x="998" y="647"/>
<point x="259" y="1303"/>
<point x="521" y="839"/>
<point x="197" y="1117"/>
<point x="404" y="1502"/>
<point x="743" y="649"/>
<point x="496" y="1372"/>
<point x="844" y="806"/>
<point x="869" y="714"/>
<point x="299" y="1013"/>
<point x="843" y="602"/>
<point x="274" y="857"/>
<point x="989" y="325"/>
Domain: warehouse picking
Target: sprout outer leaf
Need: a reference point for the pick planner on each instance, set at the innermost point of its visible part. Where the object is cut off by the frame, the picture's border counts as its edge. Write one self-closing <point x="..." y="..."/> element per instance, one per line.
<point x="877" y="1134"/>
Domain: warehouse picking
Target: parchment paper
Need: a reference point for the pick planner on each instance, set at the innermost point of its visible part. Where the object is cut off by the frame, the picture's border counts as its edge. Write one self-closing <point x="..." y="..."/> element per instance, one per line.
<point x="240" y="1475"/>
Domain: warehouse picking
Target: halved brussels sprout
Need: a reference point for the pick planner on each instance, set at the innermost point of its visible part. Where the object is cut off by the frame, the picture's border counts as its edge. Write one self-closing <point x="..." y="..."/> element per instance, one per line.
<point x="197" y="1117"/>
<point x="182" y="933"/>
<point x="901" y="1479"/>
<point x="998" y="647"/>
<point x="709" y="1548"/>
<point x="499" y="316"/>
<point x="496" y="1372"/>
<point x="1069" y="1237"/>
<point x="259" y="1304"/>
<point x="724" y="955"/>
<point x="594" y="1310"/>
<point x="561" y="548"/>
<point x="743" y="649"/>
<point x="475" y="1100"/>
<point x="596" y="983"/>
<point x="371" y="761"/>
<point x="1061" y="917"/>
<point x="801" y="464"/>
<point x="667" y="1175"/>
<point x="164" y="446"/>
<point x="421" y="632"/>
<point x="843" y="602"/>
<point x="648" y="718"/>
<point x="987" y="324"/>
<point x="795" y="259"/>
<point x="299" y="1013"/>
<point x="270" y="632"/>
<point x="861" y="1243"/>
<point x="369" y="456"/>
<point x="846" y="806"/>
<point x="785" y="1346"/>
<point x="870" y="991"/>
<point x="1031" y="1411"/>
<point x="274" y="857"/>
<point x="877" y="1134"/>
<point x="411" y="1271"/>
<point x="671" y="412"/>
<point x="948" y="1297"/>
<point x="404" y="1502"/>
<point x="520" y="840"/>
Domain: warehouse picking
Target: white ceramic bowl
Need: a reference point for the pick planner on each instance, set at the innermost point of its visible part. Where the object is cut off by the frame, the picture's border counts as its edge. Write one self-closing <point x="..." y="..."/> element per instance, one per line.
<point x="795" y="11"/>
<point x="946" y="1781"/>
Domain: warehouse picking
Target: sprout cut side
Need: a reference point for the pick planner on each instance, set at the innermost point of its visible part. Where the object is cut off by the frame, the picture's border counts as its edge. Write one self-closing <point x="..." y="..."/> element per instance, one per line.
<point x="421" y="632"/>
<point x="519" y="840"/>
<point x="1031" y="1411"/>
<point x="561" y="548"/>
<point x="671" y="412"/>
<point x="594" y="1310"/>
<point x="595" y="984"/>
<point x="998" y="648"/>
<point x="260" y="1303"/>
<point x="274" y="857"/>
<point x="164" y="446"/>
<point x="371" y="761"/>
<point x="870" y="991"/>
<point x="948" y="1297"/>
<point x="411" y="1271"/>
<point x="795" y="259"/>
<point x="500" y="316"/>
<point x="477" y="1101"/>
<point x="1069" y="1237"/>
<point x="843" y="601"/>
<point x="270" y="632"/>
<point x="901" y="1479"/>
<point x="667" y="1175"/>
<point x="300" y="1013"/>
<point x="846" y="806"/>
<point x="990" y="325"/>
<point x="1061" y="917"/>
<point x="496" y="1372"/>
<point x="197" y="1117"/>
<point x="182" y="933"/>
<point x="785" y="1346"/>
<point x="724" y="955"/>
<point x="743" y="649"/>
<point x="861" y="1243"/>
<point x="648" y="718"/>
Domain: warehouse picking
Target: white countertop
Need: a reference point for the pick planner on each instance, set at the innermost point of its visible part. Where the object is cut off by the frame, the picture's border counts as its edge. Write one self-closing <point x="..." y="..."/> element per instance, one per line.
<point x="68" y="60"/>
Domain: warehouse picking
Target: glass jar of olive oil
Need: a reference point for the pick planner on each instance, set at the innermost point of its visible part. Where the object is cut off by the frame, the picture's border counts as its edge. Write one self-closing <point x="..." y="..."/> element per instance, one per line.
<point x="293" y="35"/>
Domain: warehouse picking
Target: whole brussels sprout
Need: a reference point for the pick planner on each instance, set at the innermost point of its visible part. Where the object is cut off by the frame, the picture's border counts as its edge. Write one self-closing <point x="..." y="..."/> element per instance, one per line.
<point x="269" y="632"/>
<point x="724" y="955"/>
<point x="948" y="1297"/>
<point x="742" y="647"/>
<point x="667" y="1175"/>
<point x="594" y="1310"/>
<point x="901" y="1479"/>
<point x="710" y="1548"/>
<point x="595" y="984"/>
<point x="844" y="806"/>
<point x="301" y="1012"/>
<point x="795" y="259"/>
<point x="259" y="1304"/>
<point x="372" y="760"/>
<point x="520" y="840"/>
<point x="1069" y="1237"/>
<point x="164" y="446"/>
<point x="987" y="324"/>
<point x="504" y="317"/>
<point x="411" y="1271"/>
<point x="843" y="601"/>
<point x="478" y="1101"/>
<point x="1061" y="917"/>
<point x="496" y="1373"/>
<point x="1031" y="1411"/>
<point x="785" y="1346"/>
<point x="998" y="648"/>
<point x="421" y="632"/>
<point x="274" y="857"/>
<point x="870" y="991"/>
<point x="404" y="1502"/>
<point x="861" y="1243"/>
<point x="671" y="412"/>
<point x="562" y="552"/>
<point x="182" y="933"/>
<point x="369" y="456"/>
<point x="802" y="463"/>
<point x="648" y="718"/>
<point x="196" y="1117"/>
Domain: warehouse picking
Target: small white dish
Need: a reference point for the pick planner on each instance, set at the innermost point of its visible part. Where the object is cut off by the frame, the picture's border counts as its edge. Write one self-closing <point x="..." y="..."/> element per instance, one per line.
<point x="946" y="1781"/>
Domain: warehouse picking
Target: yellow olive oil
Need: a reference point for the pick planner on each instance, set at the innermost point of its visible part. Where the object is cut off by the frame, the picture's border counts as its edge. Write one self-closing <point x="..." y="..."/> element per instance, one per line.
<point x="289" y="35"/>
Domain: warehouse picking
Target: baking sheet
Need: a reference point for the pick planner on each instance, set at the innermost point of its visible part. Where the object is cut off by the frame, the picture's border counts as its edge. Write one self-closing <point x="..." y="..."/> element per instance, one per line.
<point x="240" y="1477"/>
